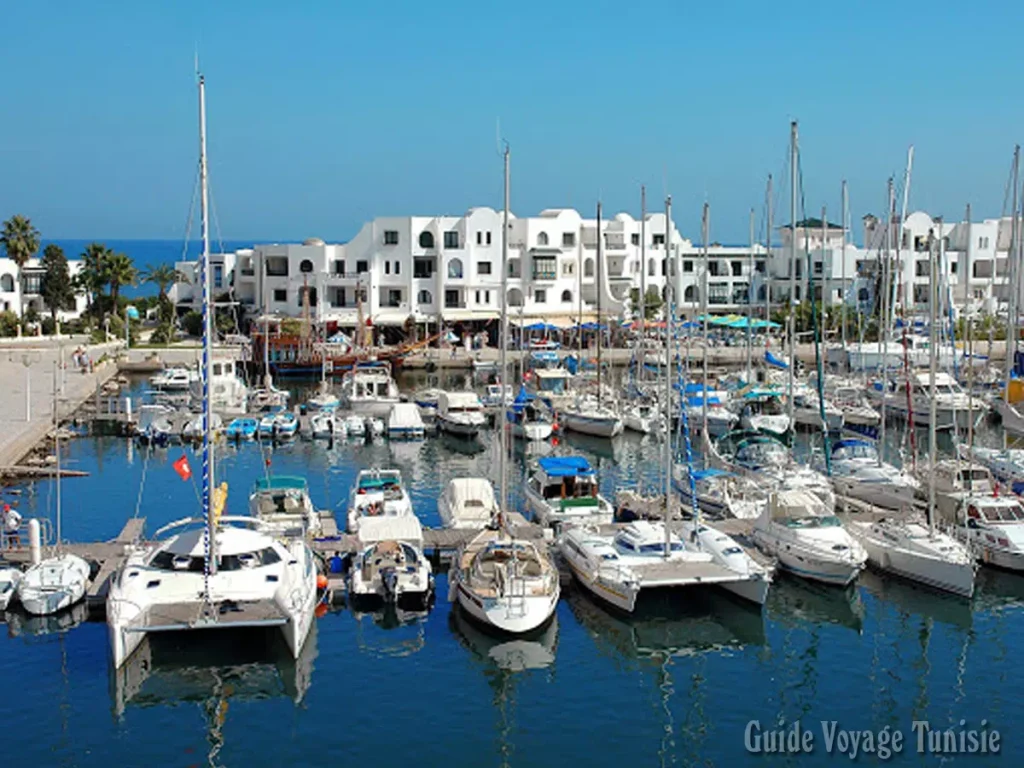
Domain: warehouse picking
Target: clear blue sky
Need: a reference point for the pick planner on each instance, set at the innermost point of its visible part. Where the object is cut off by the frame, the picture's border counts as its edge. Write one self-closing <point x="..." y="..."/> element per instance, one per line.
<point x="326" y="114"/>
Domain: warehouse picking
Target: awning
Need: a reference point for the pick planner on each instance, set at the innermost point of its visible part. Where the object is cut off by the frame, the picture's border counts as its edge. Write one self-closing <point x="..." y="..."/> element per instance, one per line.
<point x="468" y="314"/>
<point x="390" y="318"/>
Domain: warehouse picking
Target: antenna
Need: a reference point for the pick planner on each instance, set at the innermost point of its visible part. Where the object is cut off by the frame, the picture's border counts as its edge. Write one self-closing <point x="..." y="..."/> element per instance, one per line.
<point x="195" y="60"/>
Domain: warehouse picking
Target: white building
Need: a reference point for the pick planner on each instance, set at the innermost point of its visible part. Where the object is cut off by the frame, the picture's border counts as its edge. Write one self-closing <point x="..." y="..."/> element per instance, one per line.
<point x="19" y="289"/>
<point x="447" y="269"/>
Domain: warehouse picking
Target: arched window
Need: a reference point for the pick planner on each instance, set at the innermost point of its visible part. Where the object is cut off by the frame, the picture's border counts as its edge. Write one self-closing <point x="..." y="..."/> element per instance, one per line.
<point x="426" y="240"/>
<point x="515" y="297"/>
<point x="566" y="297"/>
<point x="690" y="294"/>
<point x="424" y="297"/>
<point x="7" y="283"/>
<point x="455" y="269"/>
<point x="651" y="267"/>
<point x="305" y="265"/>
<point x="542" y="238"/>
<point x="666" y="292"/>
<point x="312" y="297"/>
<point x="588" y="268"/>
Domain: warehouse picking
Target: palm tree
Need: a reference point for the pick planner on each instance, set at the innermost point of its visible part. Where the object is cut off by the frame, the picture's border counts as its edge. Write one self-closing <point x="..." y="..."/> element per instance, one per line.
<point x="163" y="276"/>
<point x="118" y="271"/>
<point x="90" y="277"/>
<point x="19" y="239"/>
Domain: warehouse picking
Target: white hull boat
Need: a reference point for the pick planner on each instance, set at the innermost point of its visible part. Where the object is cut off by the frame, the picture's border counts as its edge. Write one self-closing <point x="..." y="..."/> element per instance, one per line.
<point x="391" y="571"/>
<point x="911" y="550"/>
<point x="53" y="584"/>
<point x="797" y="530"/>
<point x="327" y="424"/>
<point x="467" y="502"/>
<point x="460" y="413"/>
<point x="506" y="584"/>
<point x="562" y="490"/>
<point x="993" y="528"/>
<point x="858" y="473"/>
<point x="591" y="419"/>
<point x="9" y="579"/>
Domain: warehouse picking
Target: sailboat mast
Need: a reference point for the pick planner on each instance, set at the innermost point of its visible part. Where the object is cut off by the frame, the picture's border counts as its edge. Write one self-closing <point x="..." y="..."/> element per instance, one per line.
<point x="933" y="295"/>
<point x="883" y="320"/>
<point x="792" y="269"/>
<point x="56" y="447"/>
<point x="750" y="295"/>
<point x="768" y="259"/>
<point x="669" y="297"/>
<point x="207" y="370"/>
<point x="969" y="317"/>
<point x="503" y="343"/>
<point x="704" y="227"/>
<point x="600" y="257"/>
<point x="643" y="282"/>
<point x="826" y="266"/>
<point x="1011" y="307"/>
<point x="846" y="289"/>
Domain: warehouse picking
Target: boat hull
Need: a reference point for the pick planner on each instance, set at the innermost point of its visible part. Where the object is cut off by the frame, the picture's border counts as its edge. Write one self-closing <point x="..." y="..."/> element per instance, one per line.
<point x="515" y="616"/>
<point x="588" y="425"/>
<point x="954" y="577"/>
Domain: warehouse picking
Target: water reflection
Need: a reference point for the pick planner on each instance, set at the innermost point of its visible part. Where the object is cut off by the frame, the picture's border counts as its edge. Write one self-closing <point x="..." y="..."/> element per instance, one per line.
<point x="668" y="622"/>
<point x="240" y="664"/>
<point x="390" y="631"/>
<point x="912" y="599"/>
<point x="793" y="601"/>
<point x="503" y="660"/>
<point x="22" y="624"/>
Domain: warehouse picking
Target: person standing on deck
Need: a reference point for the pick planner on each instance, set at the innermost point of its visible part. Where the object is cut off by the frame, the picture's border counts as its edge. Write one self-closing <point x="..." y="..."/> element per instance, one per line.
<point x="12" y="522"/>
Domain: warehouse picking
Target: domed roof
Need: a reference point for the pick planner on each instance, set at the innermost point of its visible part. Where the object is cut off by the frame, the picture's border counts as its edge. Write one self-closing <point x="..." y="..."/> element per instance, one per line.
<point x="313" y="241"/>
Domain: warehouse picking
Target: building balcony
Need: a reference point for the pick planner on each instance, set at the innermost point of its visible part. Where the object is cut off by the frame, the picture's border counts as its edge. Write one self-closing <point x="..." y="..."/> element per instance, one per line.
<point x="544" y="275"/>
<point x="247" y="272"/>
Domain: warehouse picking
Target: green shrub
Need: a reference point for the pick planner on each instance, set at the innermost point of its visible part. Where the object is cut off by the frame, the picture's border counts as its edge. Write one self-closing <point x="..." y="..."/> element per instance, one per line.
<point x="9" y="324"/>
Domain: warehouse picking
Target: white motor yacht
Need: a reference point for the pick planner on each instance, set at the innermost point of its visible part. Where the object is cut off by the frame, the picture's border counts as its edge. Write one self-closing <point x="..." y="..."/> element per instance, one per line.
<point x="229" y="394"/>
<point x="858" y="472"/>
<point x="507" y="584"/>
<point x="378" y="493"/>
<point x="914" y="551"/>
<point x="460" y="413"/>
<point x="405" y="422"/>
<point x="807" y="539"/>
<point x="762" y="410"/>
<point x="369" y="390"/>
<point x="282" y="505"/>
<point x="563" y="490"/>
<point x="719" y="416"/>
<point x="1006" y="466"/>
<point x="953" y="406"/>
<point x="426" y="401"/>
<point x="390" y="566"/>
<point x="993" y="528"/>
<point x="268" y="398"/>
<point x="325" y="425"/>
<point x="643" y="417"/>
<point x="527" y="420"/>
<point x="324" y="400"/>
<point x="807" y="410"/>
<point x="467" y="502"/>
<point x="587" y="416"/>
<point x="858" y="414"/>
<point x="279" y="425"/>
<point x="174" y="380"/>
<point x="53" y="584"/>
<point x="955" y="480"/>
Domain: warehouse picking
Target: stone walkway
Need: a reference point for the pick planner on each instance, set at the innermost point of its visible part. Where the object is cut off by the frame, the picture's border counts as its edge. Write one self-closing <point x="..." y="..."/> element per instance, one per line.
<point x="27" y="392"/>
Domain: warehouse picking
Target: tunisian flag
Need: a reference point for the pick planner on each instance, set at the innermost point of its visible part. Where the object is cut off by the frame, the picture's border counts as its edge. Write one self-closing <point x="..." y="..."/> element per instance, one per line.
<point x="182" y="468"/>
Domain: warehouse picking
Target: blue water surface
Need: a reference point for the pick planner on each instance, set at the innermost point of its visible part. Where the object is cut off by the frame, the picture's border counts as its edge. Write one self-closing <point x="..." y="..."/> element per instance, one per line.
<point x="676" y="685"/>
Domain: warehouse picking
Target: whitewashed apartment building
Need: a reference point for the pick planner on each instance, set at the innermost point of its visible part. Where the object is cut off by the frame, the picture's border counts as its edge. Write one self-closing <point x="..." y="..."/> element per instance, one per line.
<point x="447" y="269"/>
<point x="20" y="289"/>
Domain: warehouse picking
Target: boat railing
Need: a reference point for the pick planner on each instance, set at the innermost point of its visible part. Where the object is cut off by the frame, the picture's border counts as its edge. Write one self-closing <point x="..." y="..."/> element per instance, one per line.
<point x="19" y="536"/>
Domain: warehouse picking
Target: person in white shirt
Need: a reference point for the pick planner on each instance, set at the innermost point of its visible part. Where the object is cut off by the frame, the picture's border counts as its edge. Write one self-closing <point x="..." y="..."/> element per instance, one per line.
<point x="12" y="521"/>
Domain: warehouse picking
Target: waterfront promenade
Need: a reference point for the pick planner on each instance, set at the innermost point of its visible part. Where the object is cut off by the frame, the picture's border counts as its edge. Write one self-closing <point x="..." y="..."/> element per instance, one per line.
<point x="27" y="381"/>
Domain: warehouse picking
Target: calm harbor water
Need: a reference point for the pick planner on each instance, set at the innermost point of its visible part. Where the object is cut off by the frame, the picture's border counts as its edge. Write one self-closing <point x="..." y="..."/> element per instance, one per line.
<point x="675" y="685"/>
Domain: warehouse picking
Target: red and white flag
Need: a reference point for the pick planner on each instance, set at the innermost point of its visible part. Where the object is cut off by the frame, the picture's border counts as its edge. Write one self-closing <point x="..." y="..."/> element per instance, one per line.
<point x="182" y="468"/>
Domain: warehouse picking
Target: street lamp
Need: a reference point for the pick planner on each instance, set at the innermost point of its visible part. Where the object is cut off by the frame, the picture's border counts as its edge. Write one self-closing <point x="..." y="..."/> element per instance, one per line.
<point x="27" y="358"/>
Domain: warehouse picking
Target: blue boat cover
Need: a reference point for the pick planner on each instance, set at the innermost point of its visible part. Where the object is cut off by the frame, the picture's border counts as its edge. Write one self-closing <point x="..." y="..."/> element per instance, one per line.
<point x="702" y="474"/>
<point x="850" y="443"/>
<point x="565" y="466"/>
<point x="774" y="361"/>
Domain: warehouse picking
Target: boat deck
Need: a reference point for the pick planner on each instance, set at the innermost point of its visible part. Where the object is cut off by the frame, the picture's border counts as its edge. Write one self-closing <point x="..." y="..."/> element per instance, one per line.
<point x="168" y="618"/>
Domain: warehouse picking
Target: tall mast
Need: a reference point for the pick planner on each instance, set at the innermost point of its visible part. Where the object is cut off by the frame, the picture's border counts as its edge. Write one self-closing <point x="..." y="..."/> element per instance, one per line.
<point x="768" y="259"/>
<point x="750" y="295"/>
<point x="900" y="298"/>
<point x="883" y="319"/>
<point x="704" y="227"/>
<point x="207" y="370"/>
<point x="933" y="296"/>
<point x="826" y="265"/>
<point x="792" y="268"/>
<point x="643" y="281"/>
<point x="669" y="297"/>
<point x="56" y="448"/>
<point x="503" y="420"/>
<point x="600" y="256"/>
<point x="1011" y="307"/>
<point x="970" y="334"/>
<point x="846" y="289"/>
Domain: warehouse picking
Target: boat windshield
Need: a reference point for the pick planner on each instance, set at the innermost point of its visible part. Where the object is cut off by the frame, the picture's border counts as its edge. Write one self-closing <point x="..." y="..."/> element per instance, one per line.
<point x="1002" y="513"/>
<point x="856" y="451"/>
<point x="168" y="561"/>
<point x="813" y="521"/>
<point x="761" y="454"/>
